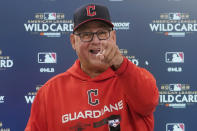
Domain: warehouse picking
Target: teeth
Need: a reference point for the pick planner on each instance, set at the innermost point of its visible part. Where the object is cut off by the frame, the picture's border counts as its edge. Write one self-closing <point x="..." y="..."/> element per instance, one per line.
<point x="96" y="51"/>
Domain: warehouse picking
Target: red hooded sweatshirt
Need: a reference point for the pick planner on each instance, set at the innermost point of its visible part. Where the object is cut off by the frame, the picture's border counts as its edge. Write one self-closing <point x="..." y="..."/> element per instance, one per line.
<point x="124" y="100"/>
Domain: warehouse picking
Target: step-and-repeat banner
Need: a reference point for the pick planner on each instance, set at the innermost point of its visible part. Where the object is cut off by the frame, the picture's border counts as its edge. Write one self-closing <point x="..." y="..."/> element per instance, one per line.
<point x="159" y="35"/>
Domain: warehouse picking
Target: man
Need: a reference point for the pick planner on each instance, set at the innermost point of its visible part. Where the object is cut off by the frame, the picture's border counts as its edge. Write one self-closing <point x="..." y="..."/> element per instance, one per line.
<point x="102" y="91"/>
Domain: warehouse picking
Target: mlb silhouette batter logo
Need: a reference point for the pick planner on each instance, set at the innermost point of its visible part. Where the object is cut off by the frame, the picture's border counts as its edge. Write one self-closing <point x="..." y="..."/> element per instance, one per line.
<point x="175" y="127"/>
<point x="47" y="57"/>
<point x="174" y="57"/>
<point x="174" y="16"/>
<point x="175" y="87"/>
<point x="114" y="123"/>
<point x="50" y="16"/>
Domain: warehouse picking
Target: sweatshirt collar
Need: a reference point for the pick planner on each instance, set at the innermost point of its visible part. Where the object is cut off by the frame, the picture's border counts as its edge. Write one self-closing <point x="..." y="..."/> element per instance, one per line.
<point x="77" y="72"/>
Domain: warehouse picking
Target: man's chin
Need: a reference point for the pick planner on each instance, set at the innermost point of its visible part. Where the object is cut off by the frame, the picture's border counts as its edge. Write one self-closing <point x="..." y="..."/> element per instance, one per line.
<point x="97" y="64"/>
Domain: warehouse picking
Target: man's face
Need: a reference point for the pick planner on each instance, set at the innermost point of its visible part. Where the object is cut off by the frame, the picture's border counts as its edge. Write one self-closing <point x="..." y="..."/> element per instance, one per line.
<point x="87" y="51"/>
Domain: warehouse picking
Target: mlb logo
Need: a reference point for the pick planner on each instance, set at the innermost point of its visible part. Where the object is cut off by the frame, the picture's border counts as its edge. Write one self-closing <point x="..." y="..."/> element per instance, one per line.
<point x="50" y="16"/>
<point x="47" y="57"/>
<point x="174" y="16"/>
<point x="113" y="123"/>
<point x="174" y="57"/>
<point x="175" y="87"/>
<point x="175" y="127"/>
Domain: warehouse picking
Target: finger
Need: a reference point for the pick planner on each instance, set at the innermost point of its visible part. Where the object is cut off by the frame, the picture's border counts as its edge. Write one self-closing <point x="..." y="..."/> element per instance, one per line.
<point x="108" y="47"/>
<point x="111" y="54"/>
<point x="103" y="48"/>
<point x="100" y="56"/>
<point x="116" y="55"/>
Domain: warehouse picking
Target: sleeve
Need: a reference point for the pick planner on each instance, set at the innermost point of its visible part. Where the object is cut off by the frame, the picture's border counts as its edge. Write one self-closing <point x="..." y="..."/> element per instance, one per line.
<point x="139" y="87"/>
<point x="37" y="120"/>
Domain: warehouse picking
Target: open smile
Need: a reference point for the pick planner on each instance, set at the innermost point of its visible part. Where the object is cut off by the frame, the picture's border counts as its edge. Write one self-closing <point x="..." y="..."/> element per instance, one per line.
<point x="94" y="51"/>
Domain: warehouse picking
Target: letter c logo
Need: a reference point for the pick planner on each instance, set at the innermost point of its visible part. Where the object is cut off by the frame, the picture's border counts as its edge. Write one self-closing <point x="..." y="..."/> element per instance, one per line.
<point x="91" y="93"/>
<point x="91" y="10"/>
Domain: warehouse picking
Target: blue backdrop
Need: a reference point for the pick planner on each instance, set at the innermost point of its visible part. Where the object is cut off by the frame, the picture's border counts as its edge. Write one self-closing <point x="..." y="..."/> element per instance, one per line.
<point x="159" y="35"/>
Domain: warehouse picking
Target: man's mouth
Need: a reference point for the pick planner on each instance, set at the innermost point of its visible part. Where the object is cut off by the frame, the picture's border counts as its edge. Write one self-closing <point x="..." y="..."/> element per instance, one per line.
<point x="94" y="51"/>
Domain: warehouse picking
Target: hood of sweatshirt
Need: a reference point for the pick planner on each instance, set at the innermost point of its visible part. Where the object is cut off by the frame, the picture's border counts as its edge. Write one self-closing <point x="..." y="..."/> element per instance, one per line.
<point x="78" y="73"/>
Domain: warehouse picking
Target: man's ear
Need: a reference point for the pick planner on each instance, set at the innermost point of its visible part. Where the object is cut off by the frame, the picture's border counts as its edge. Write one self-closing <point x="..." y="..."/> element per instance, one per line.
<point x="113" y="34"/>
<point x="72" y="40"/>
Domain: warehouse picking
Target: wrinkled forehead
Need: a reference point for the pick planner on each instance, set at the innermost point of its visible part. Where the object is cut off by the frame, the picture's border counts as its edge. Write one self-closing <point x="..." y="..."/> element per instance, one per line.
<point x="91" y="25"/>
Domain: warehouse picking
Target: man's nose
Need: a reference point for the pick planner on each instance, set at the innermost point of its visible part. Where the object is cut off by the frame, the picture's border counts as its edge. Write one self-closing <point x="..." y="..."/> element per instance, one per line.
<point x="95" y="39"/>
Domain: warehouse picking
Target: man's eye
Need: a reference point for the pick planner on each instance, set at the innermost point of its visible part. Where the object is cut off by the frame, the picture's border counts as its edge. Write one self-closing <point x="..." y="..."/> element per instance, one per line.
<point x="85" y="34"/>
<point x="102" y="33"/>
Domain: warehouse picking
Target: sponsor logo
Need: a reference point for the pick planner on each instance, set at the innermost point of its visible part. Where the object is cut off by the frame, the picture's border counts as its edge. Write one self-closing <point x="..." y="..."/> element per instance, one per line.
<point x="174" y="69"/>
<point x="174" y="16"/>
<point x="47" y="57"/>
<point x="49" y="24"/>
<point x="5" y="61"/>
<point x="114" y="123"/>
<point x="29" y="98"/>
<point x="175" y="87"/>
<point x="174" y="58"/>
<point x="2" y="99"/>
<point x="177" y="95"/>
<point x="175" y="127"/>
<point x="49" y="70"/>
<point x="174" y="24"/>
<point x="50" y="16"/>
<point x="121" y="25"/>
